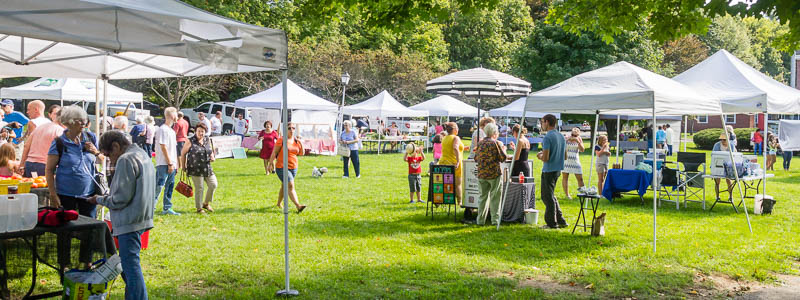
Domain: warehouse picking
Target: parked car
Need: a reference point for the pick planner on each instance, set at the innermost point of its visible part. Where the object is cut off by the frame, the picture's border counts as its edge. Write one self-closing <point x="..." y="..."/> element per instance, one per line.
<point x="254" y="116"/>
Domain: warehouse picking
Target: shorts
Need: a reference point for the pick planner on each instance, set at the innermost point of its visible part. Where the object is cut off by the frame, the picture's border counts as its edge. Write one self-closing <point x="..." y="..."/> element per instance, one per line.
<point x="602" y="168"/>
<point x="291" y="174"/>
<point x="772" y="152"/>
<point x="415" y="182"/>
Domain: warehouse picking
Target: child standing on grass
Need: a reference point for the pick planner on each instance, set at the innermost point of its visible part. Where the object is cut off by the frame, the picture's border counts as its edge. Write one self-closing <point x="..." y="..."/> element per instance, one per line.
<point x="602" y="152"/>
<point x="437" y="146"/>
<point x="414" y="158"/>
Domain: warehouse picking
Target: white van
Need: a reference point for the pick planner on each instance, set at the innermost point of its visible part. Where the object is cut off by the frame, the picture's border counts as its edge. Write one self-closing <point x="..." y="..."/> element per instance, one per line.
<point x="229" y="112"/>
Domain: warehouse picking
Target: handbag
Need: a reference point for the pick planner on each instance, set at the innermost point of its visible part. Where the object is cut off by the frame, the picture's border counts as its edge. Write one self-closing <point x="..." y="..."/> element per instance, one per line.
<point x="184" y="186"/>
<point x="343" y="150"/>
<point x="54" y="217"/>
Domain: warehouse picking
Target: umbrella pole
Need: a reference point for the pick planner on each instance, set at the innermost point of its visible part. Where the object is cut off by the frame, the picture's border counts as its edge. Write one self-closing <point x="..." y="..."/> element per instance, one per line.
<point x="285" y="123"/>
<point x="504" y="192"/>
<point x="619" y="130"/>
<point x="655" y="176"/>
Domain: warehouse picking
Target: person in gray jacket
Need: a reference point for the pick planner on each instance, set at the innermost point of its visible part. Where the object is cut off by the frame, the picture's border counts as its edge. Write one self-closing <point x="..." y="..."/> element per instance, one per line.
<point x="131" y="204"/>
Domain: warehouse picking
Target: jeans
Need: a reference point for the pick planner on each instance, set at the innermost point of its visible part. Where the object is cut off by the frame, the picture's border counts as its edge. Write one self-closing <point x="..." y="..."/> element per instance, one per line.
<point x="490" y="196"/>
<point x="356" y="163"/>
<point x="179" y="147"/>
<point x="211" y="183"/>
<point x="31" y="167"/>
<point x="167" y="181"/>
<point x="787" y="159"/>
<point x="552" y="211"/>
<point x="129" y="246"/>
<point x="669" y="150"/>
<point x="757" y="148"/>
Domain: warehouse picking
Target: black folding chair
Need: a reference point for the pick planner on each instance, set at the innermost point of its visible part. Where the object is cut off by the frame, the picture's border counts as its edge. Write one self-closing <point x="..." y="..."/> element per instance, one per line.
<point x="672" y="187"/>
<point x="689" y="164"/>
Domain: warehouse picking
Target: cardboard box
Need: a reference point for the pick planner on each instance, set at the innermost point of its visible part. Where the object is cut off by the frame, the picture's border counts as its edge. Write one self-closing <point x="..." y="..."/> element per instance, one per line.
<point x="92" y="284"/>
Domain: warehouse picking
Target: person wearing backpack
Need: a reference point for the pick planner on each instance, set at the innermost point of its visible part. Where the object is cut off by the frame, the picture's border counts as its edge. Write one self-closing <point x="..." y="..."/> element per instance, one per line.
<point x="70" y="167"/>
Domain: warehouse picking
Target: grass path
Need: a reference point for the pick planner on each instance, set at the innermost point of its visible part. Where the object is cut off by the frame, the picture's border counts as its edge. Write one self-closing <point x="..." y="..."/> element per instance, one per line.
<point x="360" y="239"/>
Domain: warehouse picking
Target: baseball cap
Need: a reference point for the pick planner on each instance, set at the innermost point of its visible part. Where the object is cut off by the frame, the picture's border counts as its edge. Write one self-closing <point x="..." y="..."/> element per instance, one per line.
<point x="6" y="102"/>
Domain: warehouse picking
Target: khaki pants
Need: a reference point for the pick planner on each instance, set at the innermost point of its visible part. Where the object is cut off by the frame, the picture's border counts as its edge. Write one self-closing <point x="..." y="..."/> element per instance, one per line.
<point x="211" y="182"/>
<point x="490" y="195"/>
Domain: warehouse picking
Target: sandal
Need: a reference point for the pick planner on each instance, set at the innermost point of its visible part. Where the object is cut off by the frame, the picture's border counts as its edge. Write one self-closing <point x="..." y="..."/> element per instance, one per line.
<point x="200" y="211"/>
<point x="302" y="207"/>
<point x="207" y="206"/>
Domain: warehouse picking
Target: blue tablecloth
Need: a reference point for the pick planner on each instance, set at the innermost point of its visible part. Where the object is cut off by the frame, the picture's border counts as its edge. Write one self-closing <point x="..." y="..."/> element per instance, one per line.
<point x="618" y="181"/>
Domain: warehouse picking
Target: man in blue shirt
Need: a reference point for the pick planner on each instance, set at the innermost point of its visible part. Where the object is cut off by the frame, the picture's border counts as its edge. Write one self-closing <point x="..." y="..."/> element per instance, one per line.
<point x="14" y="116"/>
<point x="661" y="137"/>
<point x="552" y="155"/>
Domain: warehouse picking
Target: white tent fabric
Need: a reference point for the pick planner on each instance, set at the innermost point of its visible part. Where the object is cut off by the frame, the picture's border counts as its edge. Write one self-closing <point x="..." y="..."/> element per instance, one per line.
<point x="125" y="39"/>
<point x="299" y="98"/>
<point x="479" y="80"/>
<point x="740" y="87"/>
<point x="639" y="117"/>
<point x="622" y="88"/>
<point x="789" y="135"/>
<point x="514" y="109"/>
<point x="383" y="105"/>
<point x="67" y="89"/>
<point x="446" y="106"/>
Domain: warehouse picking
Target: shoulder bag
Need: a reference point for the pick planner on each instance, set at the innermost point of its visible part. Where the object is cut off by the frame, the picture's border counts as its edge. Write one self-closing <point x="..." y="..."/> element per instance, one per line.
<point x="342" y="149"/>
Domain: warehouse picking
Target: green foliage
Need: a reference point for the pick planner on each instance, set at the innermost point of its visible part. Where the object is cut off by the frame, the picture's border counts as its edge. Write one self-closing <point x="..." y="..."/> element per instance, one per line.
<point x="487" y="36"/>
<point x="730" y="33"/>
<point x="671" y="19"/>
<point x="706" y="138"/>
<point x="763" y="34"/>
<point x="550" y="54"/>
<point x="682" y="54"/>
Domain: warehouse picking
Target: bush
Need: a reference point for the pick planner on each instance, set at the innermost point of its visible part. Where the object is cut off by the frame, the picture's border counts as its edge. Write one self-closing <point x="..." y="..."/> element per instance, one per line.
<point x="706" y="138"/>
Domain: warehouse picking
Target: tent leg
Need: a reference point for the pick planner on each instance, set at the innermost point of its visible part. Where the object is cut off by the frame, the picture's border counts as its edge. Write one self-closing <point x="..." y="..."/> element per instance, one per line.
<point x="685" y="132"/>
<point x="655" y="177"/>
<point x="764" y="152"/>
<point x="619" y="130"/>
<point x="736" y="174"/>
<point x="593" y="139"/>
<point x="285" y="122"/>
<point x="513" y="160"/>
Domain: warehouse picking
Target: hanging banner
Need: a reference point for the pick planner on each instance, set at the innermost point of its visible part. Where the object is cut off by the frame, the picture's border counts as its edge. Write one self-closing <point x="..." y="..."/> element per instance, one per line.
<point x="224" y="145"/>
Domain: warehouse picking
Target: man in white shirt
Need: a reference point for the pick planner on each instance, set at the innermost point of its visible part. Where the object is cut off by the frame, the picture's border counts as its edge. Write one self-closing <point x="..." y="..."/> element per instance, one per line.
<point x="205" y="121"/>
<point x="216" y="124"/>
<point x="166" y="144"/>
<point x="240" y="126"/>
<point x="670" y="139"/>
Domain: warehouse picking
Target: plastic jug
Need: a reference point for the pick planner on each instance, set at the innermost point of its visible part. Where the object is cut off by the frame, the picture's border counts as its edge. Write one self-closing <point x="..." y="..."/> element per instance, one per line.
<point x="21" y="212"/>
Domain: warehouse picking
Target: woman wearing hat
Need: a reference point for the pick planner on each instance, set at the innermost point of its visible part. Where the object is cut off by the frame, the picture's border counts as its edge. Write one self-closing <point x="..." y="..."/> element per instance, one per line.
<point x="723" y="145"/>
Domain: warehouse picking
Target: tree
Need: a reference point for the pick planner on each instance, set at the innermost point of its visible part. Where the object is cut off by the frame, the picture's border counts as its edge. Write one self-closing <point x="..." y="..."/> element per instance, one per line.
<point x="763" y="32"/>
<point x="550" y="55"/>
<point x="174" y="91"/>
<point x="670" y="19"/>
<point x="730" y="33"/>
<point x="487" y="37"/>
<point x="684" y="53"/>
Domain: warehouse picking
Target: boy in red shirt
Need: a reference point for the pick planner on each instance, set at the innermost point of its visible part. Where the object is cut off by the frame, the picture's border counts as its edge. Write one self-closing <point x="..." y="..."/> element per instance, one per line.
<point x="414" y="158"/>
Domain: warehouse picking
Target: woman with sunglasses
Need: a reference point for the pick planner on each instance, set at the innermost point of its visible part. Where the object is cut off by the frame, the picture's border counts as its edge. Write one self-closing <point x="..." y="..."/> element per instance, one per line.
<point x="295" y="148"/>
<point x="70" y="167"/>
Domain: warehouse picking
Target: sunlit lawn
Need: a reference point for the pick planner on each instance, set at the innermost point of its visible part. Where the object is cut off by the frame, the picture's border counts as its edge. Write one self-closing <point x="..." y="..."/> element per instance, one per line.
<point x="359" y="238"/>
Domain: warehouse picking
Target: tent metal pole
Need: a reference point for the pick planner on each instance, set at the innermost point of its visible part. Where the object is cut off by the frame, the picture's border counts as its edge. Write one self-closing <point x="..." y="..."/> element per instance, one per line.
<point x="96" y="106"/>
<point x="619" y="130"/>
<point x="511" y="167"/>
<point x="593" y="141"/>
<point x="655" y="175"/>
<point x="685" y="132"/>
<point x="764" y="136"/>
<point x="736" y="174"/>
<point x="284" y="125"/>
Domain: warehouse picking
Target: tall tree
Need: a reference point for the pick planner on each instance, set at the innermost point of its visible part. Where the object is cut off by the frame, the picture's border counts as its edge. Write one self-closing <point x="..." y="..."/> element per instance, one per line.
<point x="682" y="54"/>
<point x="763" y="32"/>
<point x="670" y="19"/>
<point x="730" y="33"/>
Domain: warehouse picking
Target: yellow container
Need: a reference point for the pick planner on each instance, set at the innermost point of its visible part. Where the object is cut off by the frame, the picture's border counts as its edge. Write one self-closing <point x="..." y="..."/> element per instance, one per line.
<point x="4" y="184"/>
<point x="24" y="187"/>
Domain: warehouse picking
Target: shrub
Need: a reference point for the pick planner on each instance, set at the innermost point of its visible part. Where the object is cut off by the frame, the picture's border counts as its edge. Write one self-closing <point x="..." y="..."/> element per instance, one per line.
<point x="706" y="138"/>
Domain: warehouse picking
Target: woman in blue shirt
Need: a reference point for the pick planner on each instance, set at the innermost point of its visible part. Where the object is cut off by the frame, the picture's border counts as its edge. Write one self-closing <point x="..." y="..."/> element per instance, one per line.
<point x="71" y="164"/>
<point x="349" y="138"/>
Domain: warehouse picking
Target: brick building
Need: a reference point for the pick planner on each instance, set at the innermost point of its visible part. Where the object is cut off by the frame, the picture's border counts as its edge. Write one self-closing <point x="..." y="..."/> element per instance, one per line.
<point x="737" y="121"/>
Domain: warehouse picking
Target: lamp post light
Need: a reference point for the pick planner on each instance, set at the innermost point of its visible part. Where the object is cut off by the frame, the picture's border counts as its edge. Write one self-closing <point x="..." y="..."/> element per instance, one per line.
<point x="345" y="81"/>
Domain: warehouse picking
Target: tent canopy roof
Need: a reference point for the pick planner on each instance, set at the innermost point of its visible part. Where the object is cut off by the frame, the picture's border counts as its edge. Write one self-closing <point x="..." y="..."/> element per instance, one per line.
<point x="124" y="39"/>
<point x="383" y="105"/>
<point x="67" y="89"/>
<point x="471" y="82"/>
<point x="298" y="98"/>
<point x="514" y="109"/>
<point x="740" y="87"/>
<point x="446" y="106"/>
<point x="622" y="88"/>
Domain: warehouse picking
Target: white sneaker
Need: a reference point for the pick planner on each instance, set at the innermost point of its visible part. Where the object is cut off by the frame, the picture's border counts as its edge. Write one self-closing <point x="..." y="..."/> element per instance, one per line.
<point x="345" y="177"/>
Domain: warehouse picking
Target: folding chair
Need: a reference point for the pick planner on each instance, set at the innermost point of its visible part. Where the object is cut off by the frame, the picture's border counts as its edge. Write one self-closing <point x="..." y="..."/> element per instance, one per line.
<point x="694" y="183"/>
<point x="672" y="187"/>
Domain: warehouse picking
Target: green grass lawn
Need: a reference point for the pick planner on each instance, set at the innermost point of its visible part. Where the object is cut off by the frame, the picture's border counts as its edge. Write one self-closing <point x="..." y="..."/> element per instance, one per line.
<point x="359" y="238"/>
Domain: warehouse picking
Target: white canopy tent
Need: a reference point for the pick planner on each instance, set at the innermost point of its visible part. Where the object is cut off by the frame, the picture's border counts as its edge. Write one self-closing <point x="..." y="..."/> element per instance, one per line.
<point x="446" y="106"/>
<point x="126" y="39"/>
<point x="624" y="89"/>
<point x="514" y="109"/>
<point x="298" y="98"/>
<point x="383" y="105"/>
<point x="741" y="89"/>
<point x="67" y="89"/>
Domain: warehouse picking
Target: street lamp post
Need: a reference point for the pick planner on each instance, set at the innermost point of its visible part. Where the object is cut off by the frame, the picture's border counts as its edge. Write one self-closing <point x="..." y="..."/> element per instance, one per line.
<point x="345" y="81"/>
